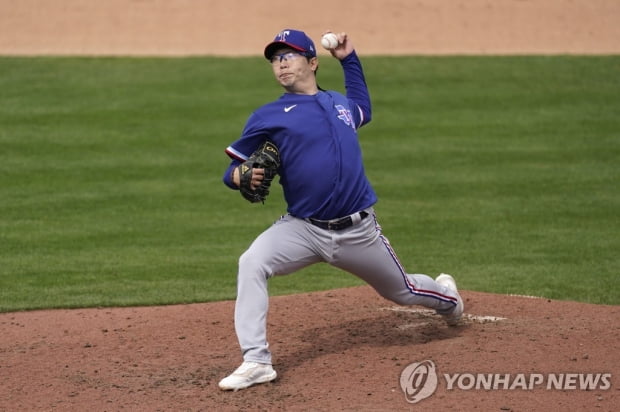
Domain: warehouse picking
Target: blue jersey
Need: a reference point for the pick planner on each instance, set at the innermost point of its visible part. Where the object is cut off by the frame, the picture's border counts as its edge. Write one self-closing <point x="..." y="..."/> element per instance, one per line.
<point x="322" y="172"/>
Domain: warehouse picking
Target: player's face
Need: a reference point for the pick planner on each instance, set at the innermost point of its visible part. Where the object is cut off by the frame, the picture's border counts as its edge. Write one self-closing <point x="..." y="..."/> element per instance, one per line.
<point x="294" y="71"/>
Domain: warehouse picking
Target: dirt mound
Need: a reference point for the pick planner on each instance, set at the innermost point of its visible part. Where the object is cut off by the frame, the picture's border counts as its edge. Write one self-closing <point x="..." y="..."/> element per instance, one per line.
<point x="338" y="350"/>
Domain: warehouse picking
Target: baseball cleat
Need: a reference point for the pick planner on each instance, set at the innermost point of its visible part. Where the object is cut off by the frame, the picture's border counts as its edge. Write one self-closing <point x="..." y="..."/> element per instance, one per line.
<point x="248" y="374"/>
<point x="452" y="318"/>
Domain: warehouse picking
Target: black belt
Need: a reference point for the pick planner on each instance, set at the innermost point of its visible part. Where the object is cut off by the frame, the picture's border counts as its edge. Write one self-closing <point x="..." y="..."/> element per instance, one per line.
<point x="337" y="224"/>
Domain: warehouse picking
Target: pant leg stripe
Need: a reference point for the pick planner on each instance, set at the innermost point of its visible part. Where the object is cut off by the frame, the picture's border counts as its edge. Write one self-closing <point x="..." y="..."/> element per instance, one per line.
<point x="410" y="286"/>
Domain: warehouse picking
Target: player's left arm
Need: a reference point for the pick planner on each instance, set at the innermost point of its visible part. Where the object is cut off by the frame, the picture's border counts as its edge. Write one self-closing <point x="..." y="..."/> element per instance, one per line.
<point x="354" y="79"/>
<point x="357" y="90"/>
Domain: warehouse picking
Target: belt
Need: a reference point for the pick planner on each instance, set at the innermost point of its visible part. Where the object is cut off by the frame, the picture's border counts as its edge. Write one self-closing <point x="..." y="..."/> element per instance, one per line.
<point x="341" y="223"/>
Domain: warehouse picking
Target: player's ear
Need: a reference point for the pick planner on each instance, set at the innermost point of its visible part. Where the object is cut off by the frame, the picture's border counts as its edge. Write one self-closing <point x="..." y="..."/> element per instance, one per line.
<point x="314" y="64"/>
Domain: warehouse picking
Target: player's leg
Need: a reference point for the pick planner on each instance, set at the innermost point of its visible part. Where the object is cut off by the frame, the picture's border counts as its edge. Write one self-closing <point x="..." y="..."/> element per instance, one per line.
<point x="279" y="250"/>
<point x="366" y="253"/>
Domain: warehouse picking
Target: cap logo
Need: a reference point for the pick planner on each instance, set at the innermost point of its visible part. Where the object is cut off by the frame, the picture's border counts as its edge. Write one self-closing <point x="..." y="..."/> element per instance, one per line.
<point x="282" y="35"/>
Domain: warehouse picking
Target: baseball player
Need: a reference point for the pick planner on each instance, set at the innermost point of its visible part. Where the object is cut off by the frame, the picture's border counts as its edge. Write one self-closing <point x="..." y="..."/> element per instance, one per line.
<point x="314" y="148"/>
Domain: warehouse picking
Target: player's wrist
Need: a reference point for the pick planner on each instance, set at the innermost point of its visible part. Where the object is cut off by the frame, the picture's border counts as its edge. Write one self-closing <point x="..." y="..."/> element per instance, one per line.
<point x="234" y="176"/>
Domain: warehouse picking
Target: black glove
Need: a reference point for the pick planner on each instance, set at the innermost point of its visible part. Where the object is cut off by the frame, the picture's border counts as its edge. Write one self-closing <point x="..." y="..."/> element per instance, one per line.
<point x="265" y="157"/>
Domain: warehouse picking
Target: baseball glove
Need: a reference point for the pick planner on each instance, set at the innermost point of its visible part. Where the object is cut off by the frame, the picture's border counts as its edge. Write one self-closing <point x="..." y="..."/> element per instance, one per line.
<point x="267" y="157"/>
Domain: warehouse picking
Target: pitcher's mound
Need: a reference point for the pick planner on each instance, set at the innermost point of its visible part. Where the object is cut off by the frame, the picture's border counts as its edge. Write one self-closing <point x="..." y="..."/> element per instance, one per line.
<point x="337" y="350"/>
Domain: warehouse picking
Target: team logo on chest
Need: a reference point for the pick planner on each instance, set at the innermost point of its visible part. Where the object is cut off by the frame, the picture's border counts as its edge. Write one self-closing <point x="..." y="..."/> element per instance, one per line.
<point x="345" y="115"/>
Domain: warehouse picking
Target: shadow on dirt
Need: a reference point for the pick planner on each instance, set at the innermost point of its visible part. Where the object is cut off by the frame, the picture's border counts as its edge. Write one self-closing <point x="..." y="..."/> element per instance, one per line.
<point x="384" y="330"/>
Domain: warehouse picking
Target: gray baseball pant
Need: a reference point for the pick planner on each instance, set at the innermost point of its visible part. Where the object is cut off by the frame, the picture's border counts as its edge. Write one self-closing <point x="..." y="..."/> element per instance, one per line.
<point x="291" y="244"/>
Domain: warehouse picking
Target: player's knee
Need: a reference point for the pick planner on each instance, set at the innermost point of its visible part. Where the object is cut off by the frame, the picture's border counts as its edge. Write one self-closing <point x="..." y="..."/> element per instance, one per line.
<point x="252" y="264"/>
<point x="247" y="259"/>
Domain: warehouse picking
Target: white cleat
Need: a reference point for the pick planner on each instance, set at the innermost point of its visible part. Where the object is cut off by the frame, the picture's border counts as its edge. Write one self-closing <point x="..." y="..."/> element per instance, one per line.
<point x="452" y="318"/>
<point x="248" y="374"/>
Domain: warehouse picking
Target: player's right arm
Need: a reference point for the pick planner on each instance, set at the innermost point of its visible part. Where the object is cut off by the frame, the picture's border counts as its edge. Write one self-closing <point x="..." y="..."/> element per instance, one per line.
<point x="231" y="175"/>
<point x="253" y="136"/>
<point x="233" y="180"/>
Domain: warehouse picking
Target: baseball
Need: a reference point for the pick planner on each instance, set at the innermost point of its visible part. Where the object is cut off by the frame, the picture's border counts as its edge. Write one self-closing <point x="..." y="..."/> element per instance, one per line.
<point x="329" y="41"/>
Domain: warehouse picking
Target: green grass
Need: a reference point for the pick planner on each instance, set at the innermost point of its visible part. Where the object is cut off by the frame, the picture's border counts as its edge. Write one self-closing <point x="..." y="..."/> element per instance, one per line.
<point x="501" y="170"/>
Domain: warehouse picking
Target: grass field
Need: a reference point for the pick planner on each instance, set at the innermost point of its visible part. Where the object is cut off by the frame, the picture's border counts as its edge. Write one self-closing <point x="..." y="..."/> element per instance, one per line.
<point x="501" y="170"/>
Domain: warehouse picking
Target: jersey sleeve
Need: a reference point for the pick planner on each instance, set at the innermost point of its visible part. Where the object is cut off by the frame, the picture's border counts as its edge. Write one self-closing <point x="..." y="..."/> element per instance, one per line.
<point x="356" y="88"/>
<point x="253" y="135"/>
